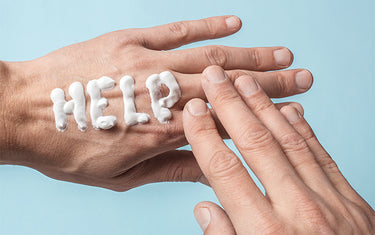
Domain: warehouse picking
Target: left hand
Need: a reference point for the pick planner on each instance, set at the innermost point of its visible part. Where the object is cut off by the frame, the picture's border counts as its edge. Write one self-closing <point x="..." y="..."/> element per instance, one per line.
<point x="305" y="191"/>
<point x="125" y="157"/>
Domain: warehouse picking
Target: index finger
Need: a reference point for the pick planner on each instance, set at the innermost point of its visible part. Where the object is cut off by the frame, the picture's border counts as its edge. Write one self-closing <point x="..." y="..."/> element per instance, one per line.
<point x="254" y="141"/>
<point x="235" y="189"/>
<point x="173" y="35"/>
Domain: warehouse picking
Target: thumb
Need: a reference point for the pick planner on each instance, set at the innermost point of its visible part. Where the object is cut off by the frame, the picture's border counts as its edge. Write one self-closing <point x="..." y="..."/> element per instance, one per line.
<point x="212" y="219"/>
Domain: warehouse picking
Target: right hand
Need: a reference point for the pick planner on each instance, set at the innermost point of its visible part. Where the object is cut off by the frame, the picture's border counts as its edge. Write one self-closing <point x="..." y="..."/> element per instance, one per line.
<point x="125" y="157"/>
<point x="305" y="192"/>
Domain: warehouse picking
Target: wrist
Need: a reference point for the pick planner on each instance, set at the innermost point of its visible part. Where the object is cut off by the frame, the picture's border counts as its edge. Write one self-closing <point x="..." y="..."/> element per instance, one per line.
<point x="26" y="118"/>
<point x="12" y="101"/>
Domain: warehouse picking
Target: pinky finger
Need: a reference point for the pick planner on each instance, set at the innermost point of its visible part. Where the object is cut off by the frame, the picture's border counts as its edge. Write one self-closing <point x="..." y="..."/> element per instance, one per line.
<point x="298" y="106"/>
<point x="323" y="158"/>
<point x="212" y="219"/>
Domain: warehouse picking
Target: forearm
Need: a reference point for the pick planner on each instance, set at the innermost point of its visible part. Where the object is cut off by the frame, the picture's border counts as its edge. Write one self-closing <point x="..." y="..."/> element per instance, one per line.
<point x="4" y="124"/>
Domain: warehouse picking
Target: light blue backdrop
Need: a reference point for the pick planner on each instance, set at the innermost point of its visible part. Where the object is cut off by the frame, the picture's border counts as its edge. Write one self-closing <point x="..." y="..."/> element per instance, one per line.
<point x="334" y="39"/>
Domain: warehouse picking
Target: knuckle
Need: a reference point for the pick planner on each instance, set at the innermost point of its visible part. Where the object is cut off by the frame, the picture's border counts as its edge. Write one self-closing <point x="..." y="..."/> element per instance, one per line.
<point x="255" y="58"/>
<point x="122" y="37"/>
<point x="173" y="131"/>
<point x="210" y="28"/>
<point x="135" y="57"/>
<point x="180" y="30"/>
<point x="329" y="165"/>
<point x="224" y="164"/>
<point x="293" y="142"/>
<point x="306" y="206"/>
<point x="281" y="84"/>
<point x="260" y="104"/>
<point x="216" y="56"/>
<point x="254" y="138"/>
<point x="225" y="97"/>
<point x="176" y="173"/>
<point x="306" y="132"/>
<point x="311" y="215"/>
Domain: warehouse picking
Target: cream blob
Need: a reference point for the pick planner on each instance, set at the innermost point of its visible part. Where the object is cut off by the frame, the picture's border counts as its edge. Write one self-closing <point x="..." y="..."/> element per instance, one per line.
<point x="62" y="108"/>
<point x="98" y="103"/>
<point x="160" y="105"/>
<point x="130" y="113"/>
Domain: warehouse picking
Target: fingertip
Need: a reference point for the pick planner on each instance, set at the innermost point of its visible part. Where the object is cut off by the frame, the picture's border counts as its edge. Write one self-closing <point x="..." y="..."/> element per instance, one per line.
<point x="214" y="74"/>
<point x="283" y="57"/>
<point x="207" y="70"/>
<point x="233" y="23"/>
<point x="213" y="219"/>
<point x="291" y="113"/>
<point x="246" y="85"/>
<point x="299" y="107"/>
<point x="304" y="79"/>
<point x="196" y="107"/>
<point x="202" y="215"/>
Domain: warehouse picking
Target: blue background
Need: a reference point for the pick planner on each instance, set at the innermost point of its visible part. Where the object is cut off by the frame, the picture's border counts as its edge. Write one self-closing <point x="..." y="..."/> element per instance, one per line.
<point x="334" y="39"/>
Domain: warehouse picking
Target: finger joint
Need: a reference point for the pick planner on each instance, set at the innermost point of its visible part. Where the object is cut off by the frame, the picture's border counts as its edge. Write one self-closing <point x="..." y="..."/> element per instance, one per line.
<point x="216" y="56"/>
<point x="293" y="142"/>
<point x="224" y="164"/>
<point x="180" y="30"/>
<point x="255" y="137"/>
<point x="255" y="57"/>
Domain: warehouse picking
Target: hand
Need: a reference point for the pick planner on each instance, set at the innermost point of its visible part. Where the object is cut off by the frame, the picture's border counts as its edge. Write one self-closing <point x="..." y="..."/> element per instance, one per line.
<point x="125" y="157"/>
<point x="305" y="193"/>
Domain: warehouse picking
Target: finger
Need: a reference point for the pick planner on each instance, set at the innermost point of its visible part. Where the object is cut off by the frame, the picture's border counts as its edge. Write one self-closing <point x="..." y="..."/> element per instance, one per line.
<point x="222" y="167"/>
<point x="297" y="106"/>
<point x="195" y="60"/>
<point x="276" y="84"/>
<point x="176" y="34"/>
<point x="254" y="141"/>
<point x="279" y="84"/>
<point x="212" y="219"/>
<point x="323" y="158"/>
<point x="172" y="166"/>
<point x="190" y="85"/>
<point x="292" y="144"/>
<point x="225" y="135"/>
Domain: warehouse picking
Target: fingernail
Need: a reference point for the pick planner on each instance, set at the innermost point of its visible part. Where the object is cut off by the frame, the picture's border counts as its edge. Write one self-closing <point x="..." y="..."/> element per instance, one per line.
<point x="232" y="22"/>
<point x="202" y="215"/>
<point x="246" y="85"/>
<point x="197" y="107"/>
<point x="299" y="108"/>
<point x="292" y="114"/>
<point x="203" y="180"/>
<point x="303" y="80"/>
<point x="215" y="74"/>
<point x="282" y="57"/>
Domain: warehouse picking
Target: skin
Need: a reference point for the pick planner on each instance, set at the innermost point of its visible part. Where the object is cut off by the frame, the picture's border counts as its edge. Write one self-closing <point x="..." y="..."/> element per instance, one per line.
<point x="305" y="192"/>
<point x="125" y="157"/>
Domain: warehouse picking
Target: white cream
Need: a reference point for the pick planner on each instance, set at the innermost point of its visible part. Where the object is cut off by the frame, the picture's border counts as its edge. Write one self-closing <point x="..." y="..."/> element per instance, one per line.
<point x="98" y="103"/>
<point x="77" y="106"/>
<point x="160" y="105"/>
<point x="62" y="108"/>
<point x="130" y="113"/>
